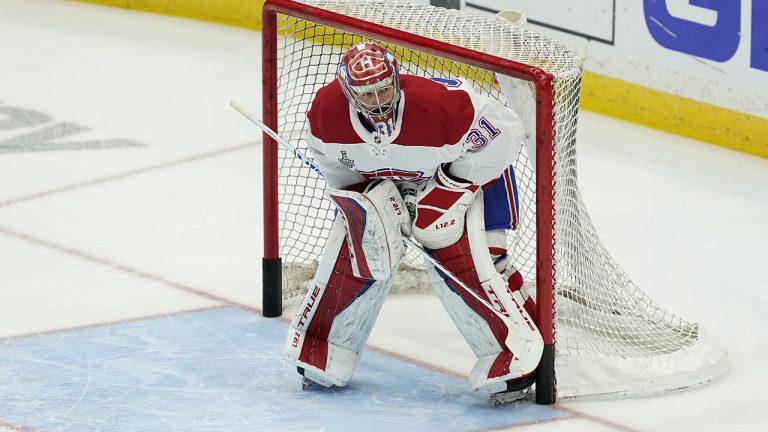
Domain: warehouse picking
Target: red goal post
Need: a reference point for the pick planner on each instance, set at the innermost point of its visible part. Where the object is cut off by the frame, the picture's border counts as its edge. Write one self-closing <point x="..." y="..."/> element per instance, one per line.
<point x="599" y="311"/>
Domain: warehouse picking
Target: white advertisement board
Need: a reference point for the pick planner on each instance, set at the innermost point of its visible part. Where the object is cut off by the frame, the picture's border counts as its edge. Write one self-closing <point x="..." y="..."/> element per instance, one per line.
<point x="712" y="51"/>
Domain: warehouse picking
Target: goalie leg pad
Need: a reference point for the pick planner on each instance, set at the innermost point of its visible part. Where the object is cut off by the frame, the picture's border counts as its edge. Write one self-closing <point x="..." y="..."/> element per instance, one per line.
<point x="373" y="219"/>
<point x="329" y="331"/>
<point x="491" y="319"/>
<point x="497" y="246"/>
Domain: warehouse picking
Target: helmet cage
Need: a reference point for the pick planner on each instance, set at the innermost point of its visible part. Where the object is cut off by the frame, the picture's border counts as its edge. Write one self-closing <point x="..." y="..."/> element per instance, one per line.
<point x="355" y="86"/>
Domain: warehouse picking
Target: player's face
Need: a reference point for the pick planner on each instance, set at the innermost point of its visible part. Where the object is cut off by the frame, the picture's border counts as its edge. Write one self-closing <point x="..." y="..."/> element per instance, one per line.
<point x="377" y="100"/>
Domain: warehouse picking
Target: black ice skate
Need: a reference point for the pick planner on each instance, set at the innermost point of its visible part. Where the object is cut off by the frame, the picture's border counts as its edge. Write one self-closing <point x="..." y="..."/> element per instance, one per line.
<point x="306" y="383"/>
<point x="517" y="389"/>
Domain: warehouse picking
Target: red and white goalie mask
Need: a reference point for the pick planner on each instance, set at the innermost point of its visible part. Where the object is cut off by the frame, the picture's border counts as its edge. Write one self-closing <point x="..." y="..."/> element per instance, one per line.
<point x="369" y="77"/>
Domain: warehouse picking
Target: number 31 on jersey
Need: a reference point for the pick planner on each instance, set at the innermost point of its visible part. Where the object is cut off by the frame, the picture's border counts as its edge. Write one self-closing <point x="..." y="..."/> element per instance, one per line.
<point x="479" y="137"/>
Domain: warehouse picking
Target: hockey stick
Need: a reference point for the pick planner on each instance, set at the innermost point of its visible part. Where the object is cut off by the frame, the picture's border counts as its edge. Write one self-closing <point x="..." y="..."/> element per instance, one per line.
<point x="300" y="156"/>
<point x="288" y="146"/>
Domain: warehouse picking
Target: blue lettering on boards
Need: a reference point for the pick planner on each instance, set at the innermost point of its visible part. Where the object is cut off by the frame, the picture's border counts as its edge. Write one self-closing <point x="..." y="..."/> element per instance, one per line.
<point x="718" y="42"/>
<point x="759" y="54"/>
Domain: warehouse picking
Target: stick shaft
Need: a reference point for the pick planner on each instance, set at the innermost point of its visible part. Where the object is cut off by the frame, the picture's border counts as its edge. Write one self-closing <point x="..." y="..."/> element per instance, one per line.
<point x="285" y="144"/>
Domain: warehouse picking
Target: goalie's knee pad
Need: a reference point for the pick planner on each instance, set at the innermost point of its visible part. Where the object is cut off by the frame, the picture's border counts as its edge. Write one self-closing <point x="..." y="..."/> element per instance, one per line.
<point x="491" y="318"/>
<point x="329" y="331"/>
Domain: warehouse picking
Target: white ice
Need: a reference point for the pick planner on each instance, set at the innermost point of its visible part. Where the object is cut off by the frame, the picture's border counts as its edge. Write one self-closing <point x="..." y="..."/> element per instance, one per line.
<point x="89" y="237"/>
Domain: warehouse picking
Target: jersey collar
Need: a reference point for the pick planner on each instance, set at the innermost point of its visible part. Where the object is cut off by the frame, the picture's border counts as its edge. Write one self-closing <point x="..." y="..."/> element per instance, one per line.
<point x="377" y="141"/>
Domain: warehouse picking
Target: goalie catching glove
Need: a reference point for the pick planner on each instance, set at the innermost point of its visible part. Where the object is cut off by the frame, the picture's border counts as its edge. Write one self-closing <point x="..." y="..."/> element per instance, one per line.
<point x="441" y="210"/>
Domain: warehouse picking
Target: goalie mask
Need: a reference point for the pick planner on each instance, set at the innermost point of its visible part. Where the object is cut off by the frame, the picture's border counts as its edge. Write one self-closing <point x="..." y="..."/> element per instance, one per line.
<point x="369" y="78"/>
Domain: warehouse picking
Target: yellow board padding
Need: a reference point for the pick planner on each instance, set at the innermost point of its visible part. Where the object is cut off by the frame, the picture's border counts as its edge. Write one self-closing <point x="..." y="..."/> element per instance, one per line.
<point x="676" y="114"/>
<point x="238" y="13"/>
<point x="602" y="94"/>
<point x="303" y="30"/>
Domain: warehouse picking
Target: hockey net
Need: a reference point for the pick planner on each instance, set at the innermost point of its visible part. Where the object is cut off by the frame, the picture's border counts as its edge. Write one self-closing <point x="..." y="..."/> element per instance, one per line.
<point x="610" y="338"/>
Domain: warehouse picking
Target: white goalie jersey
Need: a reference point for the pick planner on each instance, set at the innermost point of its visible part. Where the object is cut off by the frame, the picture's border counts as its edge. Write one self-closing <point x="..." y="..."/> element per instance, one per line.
<point x="438" y="121"/>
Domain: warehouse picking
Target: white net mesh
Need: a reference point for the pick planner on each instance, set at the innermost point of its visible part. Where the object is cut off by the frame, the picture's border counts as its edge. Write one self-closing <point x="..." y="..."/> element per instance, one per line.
<point x="604" y="321"/>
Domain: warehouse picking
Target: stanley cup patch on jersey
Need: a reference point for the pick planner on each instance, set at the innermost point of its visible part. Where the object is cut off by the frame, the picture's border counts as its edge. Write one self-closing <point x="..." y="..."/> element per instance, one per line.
<point x="344" y="160"/>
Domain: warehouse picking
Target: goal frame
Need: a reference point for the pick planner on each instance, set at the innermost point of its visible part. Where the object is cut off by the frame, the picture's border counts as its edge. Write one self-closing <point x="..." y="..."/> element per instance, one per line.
<point x="545" y="126"/>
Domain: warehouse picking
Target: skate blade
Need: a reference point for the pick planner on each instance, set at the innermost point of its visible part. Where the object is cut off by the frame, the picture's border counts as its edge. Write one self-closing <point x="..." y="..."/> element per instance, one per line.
<point x="506" y="398"/>
<point x="306" y="383"/>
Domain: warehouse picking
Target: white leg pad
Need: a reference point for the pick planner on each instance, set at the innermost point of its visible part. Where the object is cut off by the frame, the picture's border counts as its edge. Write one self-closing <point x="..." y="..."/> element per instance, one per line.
<point x="340" y="365"/>
<point x="331" y="327"/>
<point x="373" y="220"/>
<point x="498" y="330"/>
